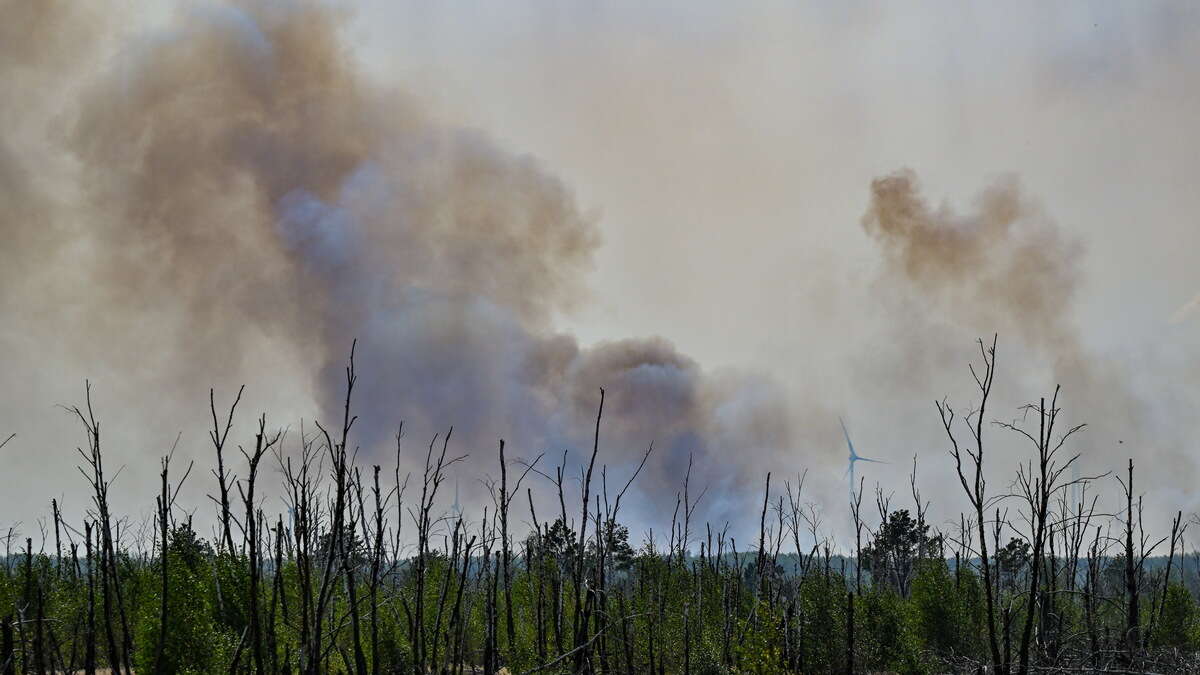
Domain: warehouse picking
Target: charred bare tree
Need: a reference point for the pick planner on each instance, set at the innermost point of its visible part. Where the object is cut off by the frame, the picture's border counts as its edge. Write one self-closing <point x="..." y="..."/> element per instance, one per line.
<point x="348" y="552"/>
<point x="1156" y="615"/>
<point x="1039" y="480"/>
<point x="262" y="445"/>
<point x="973" y="481"/>
<point x="219" y="435"/>
<point x="1132" y="587"/>
<point x="581" y="614"/>
<point x="503" y="503"/>
<point x="278" y="598"/>
<point x="300" y="485"/>
<point x="166" y="502"/>
<point x="856" y="516"/>
<point x="334" y="547"/>
<point x="119" y="645"/>
<point x="432" y="478"/>
<point x="89" y="657"/>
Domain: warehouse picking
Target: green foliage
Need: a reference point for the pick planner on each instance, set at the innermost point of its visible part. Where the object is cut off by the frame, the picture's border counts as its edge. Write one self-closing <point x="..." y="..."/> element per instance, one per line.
<point x="944" y="610"/>
<point x="822" y="618"/>
<point x="1178" y="625"/>
<point x="722" y="616"/>
<point x="194" y="642"/>
<point x="898" y="546"/>
<point x="887" y="641"/>
<point x="1012" y="562"/>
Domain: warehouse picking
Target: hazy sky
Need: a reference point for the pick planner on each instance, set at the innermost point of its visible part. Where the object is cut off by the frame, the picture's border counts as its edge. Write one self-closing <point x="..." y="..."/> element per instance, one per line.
<point x="730" y="150"/>
<point x="723" y="155"/>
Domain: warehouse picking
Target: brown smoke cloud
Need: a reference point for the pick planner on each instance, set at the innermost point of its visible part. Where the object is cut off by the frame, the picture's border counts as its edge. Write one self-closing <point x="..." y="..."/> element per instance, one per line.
<point x="40" y="47"/>
<point x="237" y="181"/>
<point x="1006" y="267"/>
<point x="1004" y="264"/>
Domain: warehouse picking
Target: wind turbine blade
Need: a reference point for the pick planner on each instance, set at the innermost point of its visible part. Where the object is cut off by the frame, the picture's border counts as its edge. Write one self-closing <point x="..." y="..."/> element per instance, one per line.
<point x="847" y="434"/>
<point x="874" y="461"/>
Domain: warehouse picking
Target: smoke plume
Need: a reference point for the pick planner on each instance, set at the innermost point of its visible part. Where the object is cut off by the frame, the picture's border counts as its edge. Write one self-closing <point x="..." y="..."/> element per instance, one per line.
<point x="1004" y="264"/>
<point x="1006" y="267"/>
<point x="236" y="180"/>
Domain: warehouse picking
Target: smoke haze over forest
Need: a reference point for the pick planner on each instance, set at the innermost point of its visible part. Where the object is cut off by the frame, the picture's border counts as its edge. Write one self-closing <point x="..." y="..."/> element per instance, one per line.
<point x="740" y="226"/>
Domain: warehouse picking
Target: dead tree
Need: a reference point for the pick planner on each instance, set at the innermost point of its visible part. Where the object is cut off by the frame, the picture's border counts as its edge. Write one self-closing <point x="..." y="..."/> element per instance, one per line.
<point x="300" y="486"/>
<point x="89" y="655"/>
<point x="1038" y="484"/>
<point x="253" y="538"/>
<point x="218" y="437"/>
<point x="580" y="621"/>
<point x="347" y="554"/>
<point x="278" y="597"/>
<point x="377" y="555"/>
<point x="120" y="647"/>
<point x="166" y="503"/>
<point x="1134" y="564"/>
<point x="1156" y="615"/>
<point x="502" y="508"/>
<point x="976" y="485"/>
<point x="432" y="478"/>
<point x="760" y="560"/>
<point x="856" y="515"/>
<point x="1091" y="592"/>
<point x="339" y="458"/>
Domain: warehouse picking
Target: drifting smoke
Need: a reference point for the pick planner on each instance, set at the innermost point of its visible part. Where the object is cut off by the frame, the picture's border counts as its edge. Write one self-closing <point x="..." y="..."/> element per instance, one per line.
<point x="1006" y="267"/>
<point x="239" y="180"/>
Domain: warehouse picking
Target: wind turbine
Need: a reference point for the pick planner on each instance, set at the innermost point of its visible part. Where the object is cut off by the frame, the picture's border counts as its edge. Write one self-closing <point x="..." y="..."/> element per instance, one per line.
<point x="854" y="457"/>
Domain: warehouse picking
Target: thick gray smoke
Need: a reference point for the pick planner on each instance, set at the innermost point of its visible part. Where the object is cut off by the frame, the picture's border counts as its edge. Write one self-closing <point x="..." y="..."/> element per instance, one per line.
<point x="238" y="180"/>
